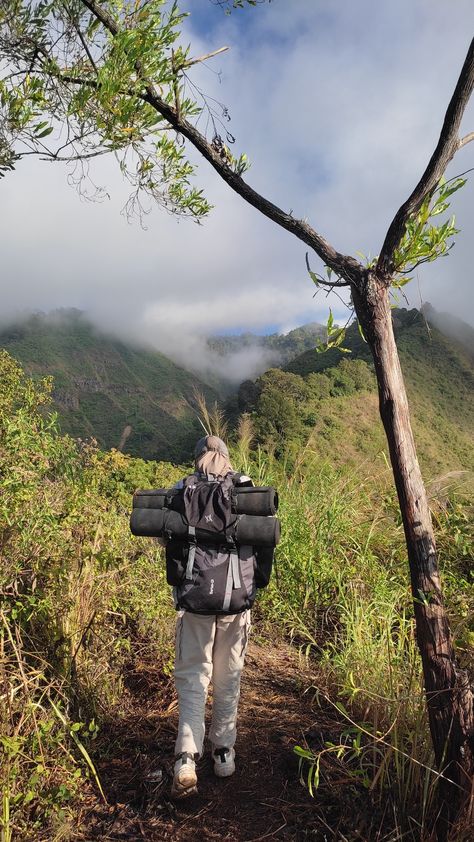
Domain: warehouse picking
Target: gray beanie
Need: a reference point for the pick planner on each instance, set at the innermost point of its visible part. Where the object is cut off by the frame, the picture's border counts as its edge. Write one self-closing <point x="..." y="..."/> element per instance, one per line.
<point x="210" y="443"/>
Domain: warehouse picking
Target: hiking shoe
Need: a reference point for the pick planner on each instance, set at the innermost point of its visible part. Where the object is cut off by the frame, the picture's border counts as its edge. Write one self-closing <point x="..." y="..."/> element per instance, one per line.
<point x="224" y="761"/>
<point x="185" y="777"/>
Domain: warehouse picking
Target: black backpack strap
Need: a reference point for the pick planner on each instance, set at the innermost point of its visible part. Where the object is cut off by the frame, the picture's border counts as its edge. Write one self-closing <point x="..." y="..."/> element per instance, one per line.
<point x="227" y="485"/>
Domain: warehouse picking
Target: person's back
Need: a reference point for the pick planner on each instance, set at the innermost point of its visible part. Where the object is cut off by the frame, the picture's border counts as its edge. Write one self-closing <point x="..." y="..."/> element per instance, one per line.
<point x="214" y="588"/>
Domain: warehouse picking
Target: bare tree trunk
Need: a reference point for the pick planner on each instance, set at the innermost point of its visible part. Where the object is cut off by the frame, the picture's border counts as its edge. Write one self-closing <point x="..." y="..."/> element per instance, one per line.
<point x="448" y="692"/>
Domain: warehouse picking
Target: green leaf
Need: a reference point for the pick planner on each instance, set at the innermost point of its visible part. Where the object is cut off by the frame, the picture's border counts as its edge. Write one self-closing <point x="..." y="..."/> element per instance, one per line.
<point x="341" y="708"/>
<point x="359" y="327"/>
<point x="45" y="133"/>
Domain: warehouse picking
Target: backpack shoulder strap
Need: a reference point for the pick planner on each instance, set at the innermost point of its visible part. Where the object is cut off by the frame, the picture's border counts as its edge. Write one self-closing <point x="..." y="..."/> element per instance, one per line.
<point x="227" y="484"/>
<point x="191" y="480"/>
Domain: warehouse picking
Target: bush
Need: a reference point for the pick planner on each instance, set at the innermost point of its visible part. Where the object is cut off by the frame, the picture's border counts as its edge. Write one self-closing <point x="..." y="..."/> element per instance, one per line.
<point x="72" y="599"/>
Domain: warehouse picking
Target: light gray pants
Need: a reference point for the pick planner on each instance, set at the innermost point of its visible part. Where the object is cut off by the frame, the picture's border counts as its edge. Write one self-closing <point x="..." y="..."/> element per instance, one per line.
<point x="209" y="648"/>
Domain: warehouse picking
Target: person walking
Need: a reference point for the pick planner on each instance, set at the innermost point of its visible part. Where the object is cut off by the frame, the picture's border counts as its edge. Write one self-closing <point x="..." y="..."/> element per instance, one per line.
<point x="214" y="589"/>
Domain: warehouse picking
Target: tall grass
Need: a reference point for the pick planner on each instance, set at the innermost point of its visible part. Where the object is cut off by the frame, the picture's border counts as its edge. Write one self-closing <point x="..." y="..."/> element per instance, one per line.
<point x="341" y="591"/>
<point x="72" y="603"/>
<point x="212" y="420"/>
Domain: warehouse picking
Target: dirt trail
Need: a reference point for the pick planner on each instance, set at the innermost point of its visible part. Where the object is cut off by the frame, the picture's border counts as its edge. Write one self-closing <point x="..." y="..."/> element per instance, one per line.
<point x="263" y="800"/>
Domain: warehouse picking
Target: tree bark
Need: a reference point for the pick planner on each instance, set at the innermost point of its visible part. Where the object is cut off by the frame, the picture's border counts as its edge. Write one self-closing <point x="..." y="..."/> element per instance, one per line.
<point x="448" y="692"/>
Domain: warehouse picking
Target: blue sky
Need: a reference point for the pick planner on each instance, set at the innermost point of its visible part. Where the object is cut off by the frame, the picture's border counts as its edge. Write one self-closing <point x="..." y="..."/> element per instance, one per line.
<point x="338" y="106"/>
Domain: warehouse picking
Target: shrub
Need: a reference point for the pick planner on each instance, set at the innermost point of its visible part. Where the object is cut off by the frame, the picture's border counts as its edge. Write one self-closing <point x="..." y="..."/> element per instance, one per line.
<point x="72" y="600"/>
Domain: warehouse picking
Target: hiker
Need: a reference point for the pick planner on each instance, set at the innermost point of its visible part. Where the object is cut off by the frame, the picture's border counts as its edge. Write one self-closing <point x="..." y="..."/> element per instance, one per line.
<point x="220" y="532"/>
<point x="211" y="642"/>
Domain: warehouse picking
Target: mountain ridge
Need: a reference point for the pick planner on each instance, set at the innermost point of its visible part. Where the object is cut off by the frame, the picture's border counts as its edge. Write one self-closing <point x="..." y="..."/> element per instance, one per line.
<point x="141" y="402"/>
<point x="126" y="395"/>
<point x="329" y="401"/>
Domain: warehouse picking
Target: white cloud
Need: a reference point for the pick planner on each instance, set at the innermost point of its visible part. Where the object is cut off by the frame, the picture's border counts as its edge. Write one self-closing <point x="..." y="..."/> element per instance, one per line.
<point x="338" y="107"/>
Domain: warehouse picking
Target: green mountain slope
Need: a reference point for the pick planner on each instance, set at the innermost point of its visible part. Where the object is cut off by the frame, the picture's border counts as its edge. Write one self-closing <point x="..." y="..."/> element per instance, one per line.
<point x="328" y="402"/>
<point x="103" y="388"/>
<point x="283" y="346"/>
<point x="138" y="400"/>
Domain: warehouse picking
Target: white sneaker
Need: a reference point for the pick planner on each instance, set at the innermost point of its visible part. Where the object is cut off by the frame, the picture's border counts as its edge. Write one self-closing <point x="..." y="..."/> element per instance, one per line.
<point x="224" y="761"/>
<point x="185" y="777"/>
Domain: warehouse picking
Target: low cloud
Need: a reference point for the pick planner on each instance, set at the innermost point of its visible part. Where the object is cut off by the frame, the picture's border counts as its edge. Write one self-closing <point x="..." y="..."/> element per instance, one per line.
<point x="338" y="107"/>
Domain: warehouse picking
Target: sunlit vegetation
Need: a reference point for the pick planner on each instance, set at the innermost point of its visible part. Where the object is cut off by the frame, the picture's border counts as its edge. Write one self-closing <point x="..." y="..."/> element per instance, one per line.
<point x="80" y="596"/>
<point x="72" y="600"/>
<point x="328" y="402"/>
<point x="341" y="592"/>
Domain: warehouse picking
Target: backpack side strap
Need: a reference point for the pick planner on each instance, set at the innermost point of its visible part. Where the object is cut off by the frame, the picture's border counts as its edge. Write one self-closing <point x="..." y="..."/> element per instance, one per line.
<point x="233" y="578"/>
<point x="191" y="553"/>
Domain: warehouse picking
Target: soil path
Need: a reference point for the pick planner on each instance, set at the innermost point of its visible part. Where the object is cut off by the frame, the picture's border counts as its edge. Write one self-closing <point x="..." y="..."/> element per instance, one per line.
<point x="263" y="800"/>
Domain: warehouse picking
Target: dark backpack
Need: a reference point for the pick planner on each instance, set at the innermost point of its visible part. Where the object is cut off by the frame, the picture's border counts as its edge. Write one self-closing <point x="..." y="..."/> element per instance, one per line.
<point x="216" y="577"/>
<point x="207" y="505"/>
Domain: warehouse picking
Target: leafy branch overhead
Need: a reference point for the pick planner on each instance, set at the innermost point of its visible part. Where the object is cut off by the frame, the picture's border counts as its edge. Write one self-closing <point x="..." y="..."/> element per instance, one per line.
<point x="422" y="241"/>
<point x="70" y="89"/>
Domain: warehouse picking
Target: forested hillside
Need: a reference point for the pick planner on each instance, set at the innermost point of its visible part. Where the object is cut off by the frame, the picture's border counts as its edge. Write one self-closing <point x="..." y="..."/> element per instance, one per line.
<point x="142" y="401"/>
<point x="107" y="389"/>
<point x="129" y="397"/>
<point x="328" y="402"/>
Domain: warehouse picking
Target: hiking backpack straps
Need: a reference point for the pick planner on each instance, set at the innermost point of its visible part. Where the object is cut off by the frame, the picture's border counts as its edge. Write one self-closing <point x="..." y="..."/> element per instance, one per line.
<point x="191" y="553"/>
<point x="219" y="575"/>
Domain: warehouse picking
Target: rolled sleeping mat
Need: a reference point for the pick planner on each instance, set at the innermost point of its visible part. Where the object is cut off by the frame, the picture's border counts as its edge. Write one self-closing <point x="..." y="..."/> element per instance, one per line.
<point x="148" y="522"/>
<point x="153" y="498"/>
<point x="159" y="523"/>
<point x="258" y="531"/>
<point x="245" y="501"/>
<point x="255" y="501"/>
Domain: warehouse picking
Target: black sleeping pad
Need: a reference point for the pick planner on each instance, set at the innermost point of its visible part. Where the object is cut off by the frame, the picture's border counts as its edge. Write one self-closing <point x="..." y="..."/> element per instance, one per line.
<point x="153" y="498"/>
<point x="245" y="501"/>
<point x="164" y="523"/>
<point x="255" y="501"/>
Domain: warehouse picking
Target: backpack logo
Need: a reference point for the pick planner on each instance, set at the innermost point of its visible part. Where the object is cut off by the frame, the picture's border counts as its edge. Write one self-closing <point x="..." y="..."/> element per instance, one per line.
<point x="208" y="518"/>
<point x="211" y="589"/>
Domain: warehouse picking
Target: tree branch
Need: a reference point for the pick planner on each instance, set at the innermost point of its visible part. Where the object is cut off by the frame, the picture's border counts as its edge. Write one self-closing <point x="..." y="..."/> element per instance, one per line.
<point x="81" y="38"/>
<point x="344" y="265"/>
<point x="200" y="59"/>
<point x="466" y="139"/>
<point x="448" y="145"/>
<point x="318" y="280"/>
